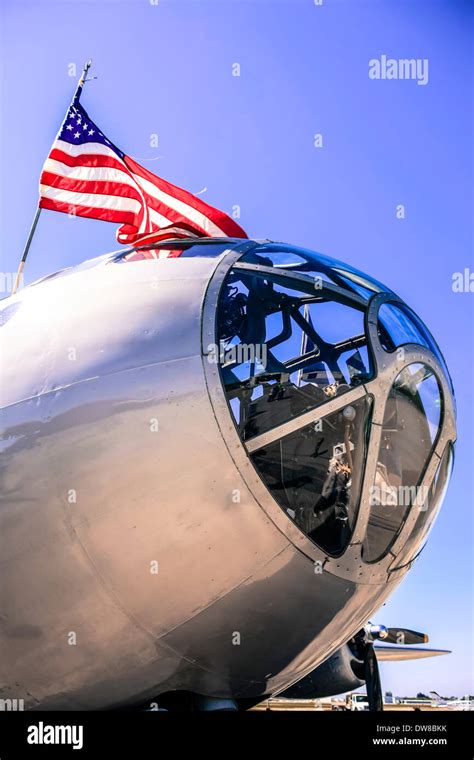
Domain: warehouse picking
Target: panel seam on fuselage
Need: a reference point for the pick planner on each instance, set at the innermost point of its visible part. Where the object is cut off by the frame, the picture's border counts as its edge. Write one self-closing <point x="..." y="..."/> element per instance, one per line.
<point x="66" y="386"/>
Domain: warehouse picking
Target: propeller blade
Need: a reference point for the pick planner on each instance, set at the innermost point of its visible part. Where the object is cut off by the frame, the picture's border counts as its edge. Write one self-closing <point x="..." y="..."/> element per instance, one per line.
<point x="372" y="679"/>
<point x="389" y="653"/>
<point x="405" y="636"/>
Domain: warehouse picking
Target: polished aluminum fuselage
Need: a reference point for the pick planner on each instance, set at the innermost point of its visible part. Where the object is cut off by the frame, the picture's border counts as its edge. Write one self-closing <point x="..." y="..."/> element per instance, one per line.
<point x="137" y="555"/>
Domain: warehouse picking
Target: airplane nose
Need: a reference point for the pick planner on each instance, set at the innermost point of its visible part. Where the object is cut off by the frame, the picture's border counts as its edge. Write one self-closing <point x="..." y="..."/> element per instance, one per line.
<point x="200" y="451"/>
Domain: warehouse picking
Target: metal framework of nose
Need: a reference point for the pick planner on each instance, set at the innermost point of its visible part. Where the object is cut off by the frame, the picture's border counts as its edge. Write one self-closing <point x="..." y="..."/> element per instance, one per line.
<point x="387" y="366"/>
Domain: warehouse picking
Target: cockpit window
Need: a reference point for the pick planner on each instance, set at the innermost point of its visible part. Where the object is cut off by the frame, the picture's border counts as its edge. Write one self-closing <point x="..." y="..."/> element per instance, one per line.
<point x="410" y="428"/>
<point x="316" y="473"/>
<point x="362" y="284"/>
<point x="286" y="345"/>
<point x="428" y="510"/>
<point x="304" y="260"/>
<point x="399" y="325"/>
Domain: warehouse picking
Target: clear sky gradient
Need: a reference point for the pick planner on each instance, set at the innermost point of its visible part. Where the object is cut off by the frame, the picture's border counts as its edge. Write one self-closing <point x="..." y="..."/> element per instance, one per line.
<point x="167" y="69"/>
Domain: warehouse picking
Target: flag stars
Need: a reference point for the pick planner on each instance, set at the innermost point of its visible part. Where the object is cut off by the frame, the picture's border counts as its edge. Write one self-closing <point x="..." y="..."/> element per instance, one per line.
<point x="69" y="126"/>
<point x="77" y="135"/>
<point x="91" y="132"/>
<point x="84" y="126"/>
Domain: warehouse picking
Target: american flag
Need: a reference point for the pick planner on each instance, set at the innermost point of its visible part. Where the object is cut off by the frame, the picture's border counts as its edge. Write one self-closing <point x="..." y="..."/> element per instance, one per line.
<point x="87" y="175"/>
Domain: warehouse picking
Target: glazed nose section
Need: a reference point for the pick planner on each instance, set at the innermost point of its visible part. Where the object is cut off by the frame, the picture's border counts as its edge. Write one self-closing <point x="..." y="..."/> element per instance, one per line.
<point x="341" y="399"/>
<point x="294" y="360"/>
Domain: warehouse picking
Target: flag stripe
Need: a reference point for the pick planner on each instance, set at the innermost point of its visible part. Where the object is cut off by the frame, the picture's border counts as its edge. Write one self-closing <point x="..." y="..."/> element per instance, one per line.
<point x="91" y="173"/>
<point x="86" y="159"/>
<point x="94" y="200"/>
<point x="91" y="148"/>
<point x="159" y="234"/>
<point x="121" y="217"/>
<point x="89" y="185"/>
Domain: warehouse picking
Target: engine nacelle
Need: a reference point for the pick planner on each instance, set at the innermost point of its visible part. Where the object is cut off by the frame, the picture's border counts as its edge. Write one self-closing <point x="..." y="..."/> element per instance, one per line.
<point x="341" y="672"/>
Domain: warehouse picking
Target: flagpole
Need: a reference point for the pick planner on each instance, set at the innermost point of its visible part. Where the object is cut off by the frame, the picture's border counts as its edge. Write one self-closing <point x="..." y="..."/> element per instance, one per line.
<point x="82" y="79"/>
<point x="36" y="217"/>
<point x="25" y="252"/>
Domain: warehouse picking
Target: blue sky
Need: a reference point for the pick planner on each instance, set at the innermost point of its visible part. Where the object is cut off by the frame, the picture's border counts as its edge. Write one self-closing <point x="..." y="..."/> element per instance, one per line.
<point x="167" y="68"/>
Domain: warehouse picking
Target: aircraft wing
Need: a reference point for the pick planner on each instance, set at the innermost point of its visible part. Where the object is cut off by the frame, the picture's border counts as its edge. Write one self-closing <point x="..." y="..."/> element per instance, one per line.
<point x="387" y="652"/>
